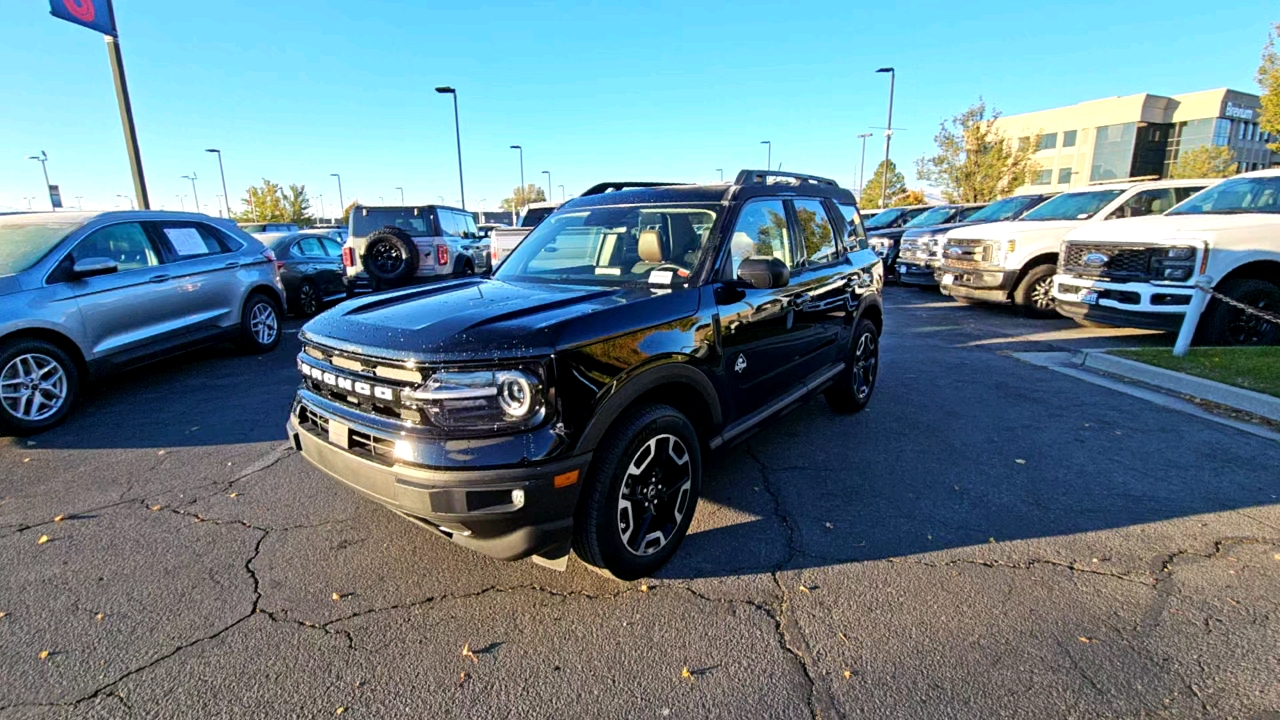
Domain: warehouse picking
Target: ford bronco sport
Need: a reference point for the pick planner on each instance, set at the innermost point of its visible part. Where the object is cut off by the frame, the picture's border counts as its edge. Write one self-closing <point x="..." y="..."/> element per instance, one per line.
<point x="569" y="399"/>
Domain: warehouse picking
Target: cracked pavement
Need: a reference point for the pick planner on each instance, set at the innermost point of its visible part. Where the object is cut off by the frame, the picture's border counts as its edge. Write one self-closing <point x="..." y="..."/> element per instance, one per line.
<point x="990" y="539"/>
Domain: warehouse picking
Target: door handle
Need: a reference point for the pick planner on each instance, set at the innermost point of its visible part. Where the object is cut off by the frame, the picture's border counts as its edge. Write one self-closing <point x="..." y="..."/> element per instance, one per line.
<point x="233" y="264"/>
<point x="799" y="301"/>
<point x="161" y="278"/>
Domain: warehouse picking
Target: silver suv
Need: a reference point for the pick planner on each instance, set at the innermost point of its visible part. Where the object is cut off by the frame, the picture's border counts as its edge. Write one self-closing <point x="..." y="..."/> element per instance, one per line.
<point x="83" y="293"/>
<point x="394" y="246"/>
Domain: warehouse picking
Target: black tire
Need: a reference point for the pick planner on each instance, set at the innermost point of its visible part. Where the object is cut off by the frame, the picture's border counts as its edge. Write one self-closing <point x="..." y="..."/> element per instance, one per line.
<point x="260" y="324"/>
<point x="23" y="361"/>
<point x="855" y="384"/>
<point x="1034" y="295"/>
<point x="464" y="268"/>
<point x="309" y="299"/>
<point x="390" y="257"/>
<point x="1223" y="324"/>
<point x="667" y="492"/>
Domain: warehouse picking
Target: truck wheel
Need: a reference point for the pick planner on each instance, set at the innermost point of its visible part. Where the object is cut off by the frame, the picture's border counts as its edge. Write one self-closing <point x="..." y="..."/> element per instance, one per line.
<point x="855" y="384"/>
<point x="1223" y="324"/>
<point x="464" y="268"/>
<point x="38" y="386"/>
<point x="260" y="324"/>
<point x="641" y="494"/>
<point x="1034" y="295"/>
<point x="390" y="256"/>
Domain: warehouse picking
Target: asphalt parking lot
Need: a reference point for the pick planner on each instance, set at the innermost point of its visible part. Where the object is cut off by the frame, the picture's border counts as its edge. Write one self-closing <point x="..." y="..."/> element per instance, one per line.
<point x="990" y="539"/>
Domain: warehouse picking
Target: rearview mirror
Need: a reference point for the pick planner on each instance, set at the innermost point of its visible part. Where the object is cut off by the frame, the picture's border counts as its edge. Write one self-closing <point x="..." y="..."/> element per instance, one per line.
<point x="764" y="273"/>
<point x="93" y="267"/>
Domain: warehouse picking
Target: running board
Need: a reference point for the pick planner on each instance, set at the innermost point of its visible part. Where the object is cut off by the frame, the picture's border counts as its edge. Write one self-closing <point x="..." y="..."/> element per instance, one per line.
<point x="815" y="383"/>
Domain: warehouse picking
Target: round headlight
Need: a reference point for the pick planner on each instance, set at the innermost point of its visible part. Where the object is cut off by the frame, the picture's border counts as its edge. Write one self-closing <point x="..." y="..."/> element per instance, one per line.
<point x="515" y="392"/>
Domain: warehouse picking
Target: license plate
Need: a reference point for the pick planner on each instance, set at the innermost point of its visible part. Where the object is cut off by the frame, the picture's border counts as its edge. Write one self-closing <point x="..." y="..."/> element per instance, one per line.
<point x="948" y="278"/>
<point x="1089" y="297"/>
<point x="338" y="433"/>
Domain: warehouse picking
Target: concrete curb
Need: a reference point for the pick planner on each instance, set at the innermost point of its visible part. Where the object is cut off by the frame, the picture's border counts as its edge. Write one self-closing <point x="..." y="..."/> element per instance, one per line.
<point x="1247" y="400"/>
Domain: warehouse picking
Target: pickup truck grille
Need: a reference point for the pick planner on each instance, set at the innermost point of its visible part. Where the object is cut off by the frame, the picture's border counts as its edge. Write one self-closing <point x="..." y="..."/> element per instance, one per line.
<point x="968" y="253"/>
<point x="916" y="251"/>
<point x="1120" y="262"/>
<point x="369" y="385"/>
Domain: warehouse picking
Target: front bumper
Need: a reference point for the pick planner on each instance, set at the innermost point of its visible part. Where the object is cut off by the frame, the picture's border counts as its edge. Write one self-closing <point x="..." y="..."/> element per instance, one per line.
<point x="1137" y="304"/>
<point x="982" y="285"/>
<point x="910" y="273"/>
<point x="473" y="508"/>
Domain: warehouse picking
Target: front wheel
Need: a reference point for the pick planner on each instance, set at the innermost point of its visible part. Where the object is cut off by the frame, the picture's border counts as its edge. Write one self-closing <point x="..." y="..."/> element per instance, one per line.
<point x="1224" y="324"/>
<point x="260" y="324"/>
<point x="38" y="385"/>
<point x="854" y="385"/>
<point x="641" y="495"/>
<point x="1034" y="295"/>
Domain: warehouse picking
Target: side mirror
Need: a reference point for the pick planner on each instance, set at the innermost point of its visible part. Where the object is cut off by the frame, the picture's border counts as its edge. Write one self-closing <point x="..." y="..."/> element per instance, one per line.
<point x="93" y="267"/>
<point x="764" y="273"/>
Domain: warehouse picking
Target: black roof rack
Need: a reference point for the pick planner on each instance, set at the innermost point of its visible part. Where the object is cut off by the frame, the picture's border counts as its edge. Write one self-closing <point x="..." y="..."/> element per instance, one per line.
<point x="761" y="177"/>
<point x="613" y="186"/>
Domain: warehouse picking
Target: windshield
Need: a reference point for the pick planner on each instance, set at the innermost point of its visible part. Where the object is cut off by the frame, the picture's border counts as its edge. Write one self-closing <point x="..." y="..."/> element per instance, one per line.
<point x="659" y="245"/>
<point x="883" y="219"/>
<point x="1000" y="210"/>
<point x="933" y="216"/>
<point x="535" y="215"/>
<point x="1237" y="196"/>
<point x="415" y="221"/>
<point x="1073" y="206"/>
<point x="25" y="239"/>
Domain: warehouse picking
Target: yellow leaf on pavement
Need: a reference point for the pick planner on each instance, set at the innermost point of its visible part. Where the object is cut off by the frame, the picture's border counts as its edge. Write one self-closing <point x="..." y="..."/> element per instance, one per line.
<point x="466" y="653"/>
<point x="43" y="539"/>
<point x="44" y="654"/>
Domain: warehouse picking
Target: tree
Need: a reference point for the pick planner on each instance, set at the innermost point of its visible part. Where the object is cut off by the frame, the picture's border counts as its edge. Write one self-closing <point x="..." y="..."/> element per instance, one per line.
<point x="1269" y="81"/>
<point x="975" y="161"/>
<point x="298" y="205"/>
<point x="269" y="203"/>
<point x="908" y="197"/>
<point x="1205" y="161"/>
<point x="346" y="213"/>
<point x="871" y="193"/>
<point x="521" y="198"/>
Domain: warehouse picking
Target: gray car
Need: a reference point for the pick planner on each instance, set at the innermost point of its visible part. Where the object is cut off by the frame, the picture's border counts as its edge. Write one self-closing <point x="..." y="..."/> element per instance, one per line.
<point x="83" y="294"/>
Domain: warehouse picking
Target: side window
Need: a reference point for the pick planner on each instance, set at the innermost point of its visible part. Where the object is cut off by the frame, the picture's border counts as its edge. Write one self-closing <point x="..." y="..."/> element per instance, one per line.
<point x="469" y="225"/>
<point x="448" y="223"/>
<point x="189" y="241"/>
<point x="761" y="231"/>
<point x="817" y="235"/>
<point x="309" y="246"/>
<point x="1182" y="193"/>
<point x="126" y="243"/>
<point x="331" y="248"/>
<point x="857" y="239"/>
<point x="964" y="213"/>
<point x="1146" y="202"/>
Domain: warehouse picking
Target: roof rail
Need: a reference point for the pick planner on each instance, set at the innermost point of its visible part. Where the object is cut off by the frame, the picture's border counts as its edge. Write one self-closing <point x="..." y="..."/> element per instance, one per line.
<point x="761" y="177"/>
<point x="604" y="187"/>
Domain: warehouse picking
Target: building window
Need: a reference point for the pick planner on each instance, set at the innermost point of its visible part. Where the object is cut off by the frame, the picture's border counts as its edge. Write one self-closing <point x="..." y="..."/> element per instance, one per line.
<point x="1024" y="143"/>
<point x="1064" y="176"/>
<point x="1047" y="142"/>
<point x="1221" y="131"/>
<point x="1069" y="139"/>
<point x="1112" y="152"/>
<point x="1240" y="128"/>
<point x="1044" y="177"/>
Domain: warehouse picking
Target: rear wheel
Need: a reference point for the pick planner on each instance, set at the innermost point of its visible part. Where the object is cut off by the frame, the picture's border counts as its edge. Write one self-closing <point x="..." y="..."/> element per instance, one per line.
<point x="641" y="496"/>
<point x="853" y="387"/>
<point x="38" y="385"/>
<point x="1034" y="295"/>
<point x="1224" y="324"/>
<point x="260" y="324"/>
<point x="464" y="269"/>
<point x="308" y="299"/>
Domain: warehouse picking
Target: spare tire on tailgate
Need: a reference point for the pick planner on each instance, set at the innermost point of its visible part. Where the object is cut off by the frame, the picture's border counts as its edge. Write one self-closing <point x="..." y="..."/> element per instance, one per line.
<point x="390" y="256"/>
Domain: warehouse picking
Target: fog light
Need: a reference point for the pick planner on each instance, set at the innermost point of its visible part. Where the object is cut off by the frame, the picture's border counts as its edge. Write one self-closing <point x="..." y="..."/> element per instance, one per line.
<point x="517" y="498"/>
<point x="404" y="451"/>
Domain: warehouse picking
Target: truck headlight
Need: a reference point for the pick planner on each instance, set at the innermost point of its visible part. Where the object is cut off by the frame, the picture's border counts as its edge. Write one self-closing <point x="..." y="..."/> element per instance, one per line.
<point x="505" y="399"/>
<point x="1174" y="264"/>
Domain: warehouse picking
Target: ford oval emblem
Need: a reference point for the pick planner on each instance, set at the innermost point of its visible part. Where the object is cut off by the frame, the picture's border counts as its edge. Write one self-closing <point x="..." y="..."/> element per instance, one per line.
<point x="1096" y="259"/>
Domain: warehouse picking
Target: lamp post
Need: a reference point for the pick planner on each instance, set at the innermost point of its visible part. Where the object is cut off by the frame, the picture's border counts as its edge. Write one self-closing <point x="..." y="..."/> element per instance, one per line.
<point x="192" y="178"/>
<point x="862" y="168"/>
<point x="341" y="203"/>
<point x="79" y="205"/>
<point x="768" y="165"/>
<point x="457" y="133"/>
<point x="44" y="165"/>
<point x="520" y="196"/>
<point x="182" y="202"/>
<point x="28" y="199"/>
<point x="888" y="134"/>
<point x="129" y="198"/>
<point x="226" y="197"/>
<point x="721" y="171"/>
<point x="561" y="193"/>
<point x="222" y="201"/>
<point x="321" y="199"/>
<point x="548" y="174"/>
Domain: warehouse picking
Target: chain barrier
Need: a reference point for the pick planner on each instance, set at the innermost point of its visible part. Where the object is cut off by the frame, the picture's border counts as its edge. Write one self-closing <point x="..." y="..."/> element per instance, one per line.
<point x="1269" y="317"/>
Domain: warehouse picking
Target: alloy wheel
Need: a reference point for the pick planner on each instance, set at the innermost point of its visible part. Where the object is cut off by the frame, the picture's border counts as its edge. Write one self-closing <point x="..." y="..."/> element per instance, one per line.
<point x="387" y="258"/>
<point x="307" y="299"/>
<point x="1246" y="328"/>
<point x="866" y="360"/>
<point x="1042" y="294"/>
<point x="654" y="495"/>
<point x="33" y="387"/>
<point x="263" y="324"/>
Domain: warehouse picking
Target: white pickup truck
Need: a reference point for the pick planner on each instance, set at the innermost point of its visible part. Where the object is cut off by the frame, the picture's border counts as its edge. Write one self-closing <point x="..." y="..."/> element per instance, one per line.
<point x="1142" y="272"/>
<point x="1016" y="260"/>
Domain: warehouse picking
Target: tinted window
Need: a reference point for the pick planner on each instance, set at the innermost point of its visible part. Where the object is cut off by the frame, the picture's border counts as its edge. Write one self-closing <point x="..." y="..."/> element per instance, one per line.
<point x="1073" y="206"/>
<point x="126" y="243"/>
<point x="1000" y="210"/>
<point x="310" y="247"/>
<point x="1113" y="152"/>
<point x="448" y="223"/>
<point x="25" y="239"/>
<point x="933" y="216"/>
<point x="332" y="249"/>
<point x="468" y="225"/>
<point x="412" y="220"/>
<point x="1235" y="196"/>
<point x="533" y="216"/>
<point x="817" y="234"/>
<point x="857" y="239"/>
<point x="1069" y="139"/>
<point x="885" y="219"/>
<point x="761" y="231"/>
<point x="187" y="241"/>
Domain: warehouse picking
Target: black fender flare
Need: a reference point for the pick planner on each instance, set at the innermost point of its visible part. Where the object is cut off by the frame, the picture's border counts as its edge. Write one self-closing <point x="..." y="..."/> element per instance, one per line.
<point x="628" y="387"/>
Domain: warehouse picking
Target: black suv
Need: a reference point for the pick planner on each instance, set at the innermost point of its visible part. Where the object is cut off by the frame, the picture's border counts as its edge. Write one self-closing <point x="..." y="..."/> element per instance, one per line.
<point x="568" y="400"/>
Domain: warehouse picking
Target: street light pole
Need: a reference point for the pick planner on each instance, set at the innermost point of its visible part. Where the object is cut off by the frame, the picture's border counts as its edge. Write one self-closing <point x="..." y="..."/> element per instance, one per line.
<point x="521" y="195"/>
<point x="79" y="205"/>
<point x="129" y="198"/>
<point x="888" y="134"/>
<point x="548" y="174"/>
<point x="768" y="165"/>
<point x="182" y="202"/>
<point x="43" y="159"/>
<point x="226" y="198"/>
<point x="561" y="193"/>
<point x="457" y="133"/>
<point x="721" y="171"/>
<point x="342" y="204"/>
<point x="401" y="195"/>
<point x="222" y="201"/>
<point x="862" y="167"/>
<point x="192" y="178"/>
<point x="321" y="199"/>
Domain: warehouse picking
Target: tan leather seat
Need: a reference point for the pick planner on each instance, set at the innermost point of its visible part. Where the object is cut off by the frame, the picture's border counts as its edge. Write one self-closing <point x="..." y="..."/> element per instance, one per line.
<point x="652" y="250"/>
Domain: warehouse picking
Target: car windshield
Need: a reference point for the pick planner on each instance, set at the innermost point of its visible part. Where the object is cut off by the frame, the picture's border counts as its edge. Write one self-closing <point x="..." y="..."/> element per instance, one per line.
<point x="883" y="219"/>
<point x="1000" y="210"/>
<point x="535" y="215"/>
<point x="659" y="245"/>
<point x="1073" y="206"/>
<point x="1238" y="196"/>
<point x="25" y="239"/>
<point x="415" y="221"/>
<point x="933" y="216"/>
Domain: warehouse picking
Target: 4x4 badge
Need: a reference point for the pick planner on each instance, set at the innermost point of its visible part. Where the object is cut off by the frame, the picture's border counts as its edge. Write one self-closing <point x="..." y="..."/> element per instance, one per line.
<point x="741" y="364"/>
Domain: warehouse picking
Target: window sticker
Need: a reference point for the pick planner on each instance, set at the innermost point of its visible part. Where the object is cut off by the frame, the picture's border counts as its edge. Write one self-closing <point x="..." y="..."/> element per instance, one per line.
<point x="186" y="241"/>
<point x="660" y="277"/>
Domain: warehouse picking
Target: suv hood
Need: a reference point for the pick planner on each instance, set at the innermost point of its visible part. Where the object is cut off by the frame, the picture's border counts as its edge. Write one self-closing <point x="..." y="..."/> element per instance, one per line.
<point x="482" y="319"/>
<point x="936" y="229"/>
<point x="1162" y="228"/>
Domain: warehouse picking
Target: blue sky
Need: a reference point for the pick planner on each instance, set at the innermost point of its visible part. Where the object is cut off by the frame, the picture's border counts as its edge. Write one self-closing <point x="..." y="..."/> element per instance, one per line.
<point x="294" y="91"/>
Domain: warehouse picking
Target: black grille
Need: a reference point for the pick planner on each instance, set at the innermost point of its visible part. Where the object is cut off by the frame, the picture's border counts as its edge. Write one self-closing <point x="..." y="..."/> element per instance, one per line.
<point x="353" y="373"/>
<point x="379" y="449"/>
<point x="1122" y="262"/>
